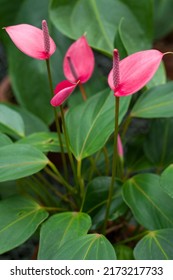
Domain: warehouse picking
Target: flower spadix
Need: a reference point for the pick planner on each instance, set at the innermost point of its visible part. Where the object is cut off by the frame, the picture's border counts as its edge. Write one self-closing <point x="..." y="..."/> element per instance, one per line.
<point x="78" y="67"/>
<point x="31" y="40"/>
<point x="133" y="72"/>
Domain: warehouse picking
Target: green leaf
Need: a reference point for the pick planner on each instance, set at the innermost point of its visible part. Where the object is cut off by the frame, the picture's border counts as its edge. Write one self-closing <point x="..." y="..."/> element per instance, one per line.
<point x="87" y="247"/>
<point x="19" y="219"/>
<point x="155" y="103"/>
<point x="8" y="13"/>
<point x="59" y="229"/>
<point x="156" y="245"/>
<point x="151" y="206"/>
<point x="44" y="141"/>
<point x="19" y="160"/>
<point x="100" y="21"/>
<point x="91" y="123"/>
<point x="11" y="122"/>
<point x="166" y="180"/>
<point x="159" y="77"/>
<point x="4" y="140"/>
<point x="32" y="122"/>
<point x="96" y="200"/>
<point x="159" y="152"/>
<point x="163" y="24"/>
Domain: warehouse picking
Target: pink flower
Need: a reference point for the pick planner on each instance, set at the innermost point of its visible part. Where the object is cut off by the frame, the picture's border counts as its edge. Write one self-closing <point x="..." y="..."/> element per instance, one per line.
<point x="78" y="67"/>
<point x="31" y="40"/>
<point x="133" y="72"/>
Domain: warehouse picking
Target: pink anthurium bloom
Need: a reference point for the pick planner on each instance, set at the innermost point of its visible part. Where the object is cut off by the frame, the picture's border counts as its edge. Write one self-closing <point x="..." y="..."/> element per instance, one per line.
<point x="63" y="89"/>
<point x="31" y="40"/>
<point x="78" y="67"/>
<point x="133" y="72"/>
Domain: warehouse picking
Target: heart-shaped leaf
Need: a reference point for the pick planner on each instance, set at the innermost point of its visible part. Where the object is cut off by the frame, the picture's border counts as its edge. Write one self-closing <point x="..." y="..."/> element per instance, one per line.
<point x="91" y="123"/>
<point x="100" y="20"/>
<point x="151" y="206"/>
<point x="156" y="245"/>
<point x="59" y="229"/>
<point x="19" y="219"/>
<point x="19" y="160"/>
<point x="87" y="247"/>
<point x="155" y="103"/>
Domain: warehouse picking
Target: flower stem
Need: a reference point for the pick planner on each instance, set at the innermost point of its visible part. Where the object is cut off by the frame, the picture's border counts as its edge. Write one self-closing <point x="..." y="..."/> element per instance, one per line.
<point x="68" y="146"/>
<point x="80" y="179"/>
<point x="56" y="121"/>
<point x="83" y="92"/>
<point x="114" y="165"/>
<point x="139" y="235"/>
<point x="60" y="178"/>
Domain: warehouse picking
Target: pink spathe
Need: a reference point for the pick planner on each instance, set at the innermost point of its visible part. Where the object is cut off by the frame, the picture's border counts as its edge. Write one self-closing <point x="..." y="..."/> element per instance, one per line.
<point x="135" y="71"/>
<point x="78" y="67"/>
<point x="62" y="92"/>
<point x="82" y="58"/>
<point x="30" y="40"/>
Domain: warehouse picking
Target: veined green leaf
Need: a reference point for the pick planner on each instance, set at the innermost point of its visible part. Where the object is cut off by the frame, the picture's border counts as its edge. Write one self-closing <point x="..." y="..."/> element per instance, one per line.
<point x="156" y="245"/>
<point x="19" y="160"/>
<point x="100" y="20"/>
<point x="87" y="247"/>
<point x="151" y="206"/>
<point x="155" y="103"/>
<point x="19" y="218"/>
<point x="166" y="180"/>
<point x="59" y="229"/>
<point x="44" y="141"/>
<point x="11" y="122"/>
<point x="91" y="123"/>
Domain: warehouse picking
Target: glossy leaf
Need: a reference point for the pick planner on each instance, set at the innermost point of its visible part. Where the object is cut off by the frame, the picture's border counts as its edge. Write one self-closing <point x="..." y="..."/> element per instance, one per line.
<point x="93" y="122"/>
<point x="166" y="180"/>
<point x="96" y="200"/>
<point x="150" y="205"/>
<point x="156" y="245"/>
<point x="20" y="160"/>
<point x="159" y="152"/>
<point x="19" y="219"/>
<point x="100" y="22"/>
<point x="155" y="103"/>
<point x="4" y="140"/>
<point x="11" y="122"/>
<point x="162" y="18"/>
<point x="31" y="121"/>
<point x="44" y="141"/>
<point x="60" y="229"/>
<point x="87" y="247"/>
